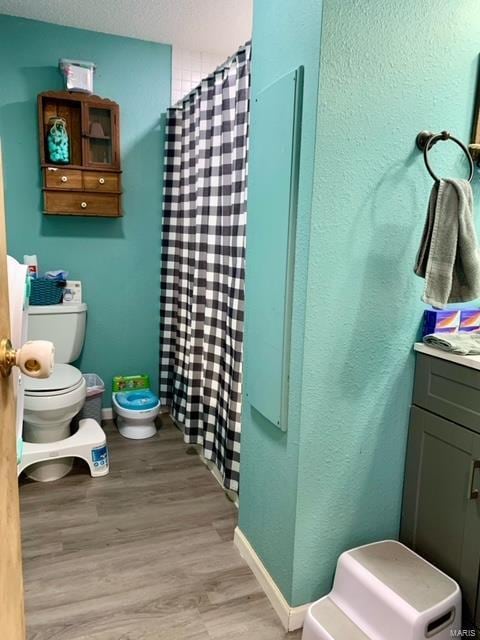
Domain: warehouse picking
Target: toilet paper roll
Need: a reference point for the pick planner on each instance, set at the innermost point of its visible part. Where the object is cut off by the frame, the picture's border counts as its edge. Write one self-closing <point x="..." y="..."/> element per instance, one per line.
<point x="36" y="358"/>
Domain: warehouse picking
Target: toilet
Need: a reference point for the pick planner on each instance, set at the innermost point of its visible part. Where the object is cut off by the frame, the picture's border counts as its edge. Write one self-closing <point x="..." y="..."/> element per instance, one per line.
<point x="135" y="413"/>
<point x="50" y="404"/>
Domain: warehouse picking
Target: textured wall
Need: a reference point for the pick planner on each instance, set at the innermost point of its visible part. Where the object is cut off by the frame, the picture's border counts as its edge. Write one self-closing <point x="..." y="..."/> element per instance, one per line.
<point x="388" y="70"/>
<point x="286" y="36"/>
<point x="116" y="260"/>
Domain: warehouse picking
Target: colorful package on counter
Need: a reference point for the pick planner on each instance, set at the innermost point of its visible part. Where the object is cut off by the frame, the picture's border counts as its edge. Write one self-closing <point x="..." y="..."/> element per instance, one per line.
<point x="450" y="321"/>
<point x="441" y="321"/>
<point x="470" y="320"/>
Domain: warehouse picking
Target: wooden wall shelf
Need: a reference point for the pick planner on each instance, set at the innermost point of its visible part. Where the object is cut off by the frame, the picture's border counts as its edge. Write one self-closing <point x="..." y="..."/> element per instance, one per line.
<point x="90" y="184"/>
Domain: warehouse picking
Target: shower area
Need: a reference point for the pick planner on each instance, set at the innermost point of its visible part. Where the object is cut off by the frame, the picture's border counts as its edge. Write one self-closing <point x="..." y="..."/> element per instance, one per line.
<point x="203" y="264"/>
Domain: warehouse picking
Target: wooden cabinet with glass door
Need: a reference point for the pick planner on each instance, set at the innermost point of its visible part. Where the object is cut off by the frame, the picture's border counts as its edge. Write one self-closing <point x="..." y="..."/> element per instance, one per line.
<point x="80" y="154"/>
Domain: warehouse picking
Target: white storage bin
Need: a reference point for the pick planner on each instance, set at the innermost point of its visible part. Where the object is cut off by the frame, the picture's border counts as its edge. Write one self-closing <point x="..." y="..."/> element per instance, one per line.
<point x="78" y="75"/>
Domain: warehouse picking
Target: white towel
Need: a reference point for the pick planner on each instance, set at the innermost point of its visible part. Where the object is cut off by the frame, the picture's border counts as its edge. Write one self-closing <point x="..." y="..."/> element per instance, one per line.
<point x="463" y="344"/>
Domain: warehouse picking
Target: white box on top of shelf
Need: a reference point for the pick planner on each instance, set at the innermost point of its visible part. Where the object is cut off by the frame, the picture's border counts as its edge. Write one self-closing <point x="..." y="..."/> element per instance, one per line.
<point x="78" y="75"/>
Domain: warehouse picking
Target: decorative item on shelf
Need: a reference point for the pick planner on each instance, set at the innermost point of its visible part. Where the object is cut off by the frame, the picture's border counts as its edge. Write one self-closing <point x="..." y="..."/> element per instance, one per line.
<point x="58" y="143"/>
<point x="96" y="131"/>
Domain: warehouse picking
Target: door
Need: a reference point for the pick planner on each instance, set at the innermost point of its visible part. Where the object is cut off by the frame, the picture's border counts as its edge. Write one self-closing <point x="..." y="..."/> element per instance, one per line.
<point x="12" y="622"/>
<point x="100" y="134"/>
<point x="441" y="506"/>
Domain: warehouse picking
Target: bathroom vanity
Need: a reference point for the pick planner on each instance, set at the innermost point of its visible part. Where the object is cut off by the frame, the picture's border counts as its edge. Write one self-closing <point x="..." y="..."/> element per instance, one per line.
<point x="441" y="500"/>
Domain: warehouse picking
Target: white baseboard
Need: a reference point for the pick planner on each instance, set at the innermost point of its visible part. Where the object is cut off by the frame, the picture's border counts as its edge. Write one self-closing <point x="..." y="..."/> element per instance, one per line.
<point x="292" y="618"/>
<point x="107" y="413"/>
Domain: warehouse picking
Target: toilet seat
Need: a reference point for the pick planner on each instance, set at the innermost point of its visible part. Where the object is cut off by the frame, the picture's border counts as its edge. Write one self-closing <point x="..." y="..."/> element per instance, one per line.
<point x="64" y="379"/>
<point x="140" y="400"/>
<point x="47" y="399"/>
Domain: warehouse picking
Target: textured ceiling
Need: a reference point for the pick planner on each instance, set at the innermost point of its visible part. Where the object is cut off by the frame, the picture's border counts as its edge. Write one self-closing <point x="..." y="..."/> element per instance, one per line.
<point x="218" y="26"/>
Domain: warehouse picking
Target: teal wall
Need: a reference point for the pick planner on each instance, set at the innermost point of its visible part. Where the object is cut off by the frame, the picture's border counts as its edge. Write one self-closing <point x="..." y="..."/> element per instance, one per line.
<point x="387" y="70"/>
<point x="118" y="261"/>
<point x="286" y="35"/>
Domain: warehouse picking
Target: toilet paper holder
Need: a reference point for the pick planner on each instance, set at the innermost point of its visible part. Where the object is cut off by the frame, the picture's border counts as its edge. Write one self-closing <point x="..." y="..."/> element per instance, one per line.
<point x="35" y="358"/>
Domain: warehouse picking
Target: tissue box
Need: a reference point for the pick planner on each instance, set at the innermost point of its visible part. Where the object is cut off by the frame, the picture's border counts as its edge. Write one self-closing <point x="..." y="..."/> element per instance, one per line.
<point x="444" y="321"/>
<point x="470" y="320"/>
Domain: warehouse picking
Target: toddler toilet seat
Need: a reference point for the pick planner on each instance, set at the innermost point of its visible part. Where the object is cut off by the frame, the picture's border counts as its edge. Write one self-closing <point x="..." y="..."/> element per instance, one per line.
<point x="137" y="400"/>
<point x="135" y="413"/>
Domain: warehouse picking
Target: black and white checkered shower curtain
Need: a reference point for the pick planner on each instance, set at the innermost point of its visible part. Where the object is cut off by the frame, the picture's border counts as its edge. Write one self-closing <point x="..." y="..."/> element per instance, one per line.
<point x="203" y="253"/>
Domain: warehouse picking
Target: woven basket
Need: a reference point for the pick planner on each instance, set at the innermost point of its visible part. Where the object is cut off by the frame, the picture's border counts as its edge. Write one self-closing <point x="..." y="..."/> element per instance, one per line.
<point x="43" y="291"/>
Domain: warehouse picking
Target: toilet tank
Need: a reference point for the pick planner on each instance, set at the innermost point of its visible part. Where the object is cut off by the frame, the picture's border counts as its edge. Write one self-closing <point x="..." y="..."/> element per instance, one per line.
<point x="62" y="324"/>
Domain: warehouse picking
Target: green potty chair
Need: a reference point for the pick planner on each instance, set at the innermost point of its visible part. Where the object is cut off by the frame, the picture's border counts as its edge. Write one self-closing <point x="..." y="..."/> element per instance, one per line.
<point x="135" y="407"/>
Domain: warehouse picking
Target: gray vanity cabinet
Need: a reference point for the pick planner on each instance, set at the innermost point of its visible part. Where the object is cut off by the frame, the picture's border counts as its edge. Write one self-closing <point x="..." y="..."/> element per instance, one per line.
<point x="441" y="501"/>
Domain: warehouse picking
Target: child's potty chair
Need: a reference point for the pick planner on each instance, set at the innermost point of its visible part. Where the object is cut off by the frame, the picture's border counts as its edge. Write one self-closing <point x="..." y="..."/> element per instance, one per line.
<point x="135" y="407"/>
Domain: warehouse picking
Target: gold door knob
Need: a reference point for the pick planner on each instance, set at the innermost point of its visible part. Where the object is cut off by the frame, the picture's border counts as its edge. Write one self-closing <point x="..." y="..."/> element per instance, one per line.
<point x="35" y="358"/>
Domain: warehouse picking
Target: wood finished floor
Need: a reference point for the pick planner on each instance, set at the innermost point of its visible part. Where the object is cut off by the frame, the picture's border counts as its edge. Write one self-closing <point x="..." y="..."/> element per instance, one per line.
<point x="144" y="553"/>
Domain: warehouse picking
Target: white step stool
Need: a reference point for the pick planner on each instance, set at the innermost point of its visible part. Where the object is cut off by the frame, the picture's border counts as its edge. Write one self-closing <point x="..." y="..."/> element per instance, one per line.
<point x="89" y="443"/>
<point x="385" y="591"/>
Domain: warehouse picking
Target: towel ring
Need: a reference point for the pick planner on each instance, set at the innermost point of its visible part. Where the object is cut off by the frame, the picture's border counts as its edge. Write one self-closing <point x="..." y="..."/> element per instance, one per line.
<point x="426" y="140"/>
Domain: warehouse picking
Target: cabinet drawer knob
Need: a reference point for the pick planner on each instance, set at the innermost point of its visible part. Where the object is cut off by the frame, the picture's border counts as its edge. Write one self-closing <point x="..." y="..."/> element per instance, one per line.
<point x="101" y="180"/>
<point x="64" y="179"/>
<point x="84" y="205"/>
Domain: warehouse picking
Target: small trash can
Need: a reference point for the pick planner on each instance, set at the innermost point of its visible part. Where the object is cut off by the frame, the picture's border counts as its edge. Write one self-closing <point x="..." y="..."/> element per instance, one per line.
<point x="93" y="402"/>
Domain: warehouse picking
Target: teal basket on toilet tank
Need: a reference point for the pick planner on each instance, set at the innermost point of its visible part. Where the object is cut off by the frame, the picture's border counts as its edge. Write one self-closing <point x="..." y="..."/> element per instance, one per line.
<point x="45" y="292"/>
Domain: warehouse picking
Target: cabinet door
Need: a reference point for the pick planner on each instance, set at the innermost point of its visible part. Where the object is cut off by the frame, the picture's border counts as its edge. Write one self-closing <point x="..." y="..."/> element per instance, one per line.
<point x="100" y="135"/>
<point x="441" y="513"/>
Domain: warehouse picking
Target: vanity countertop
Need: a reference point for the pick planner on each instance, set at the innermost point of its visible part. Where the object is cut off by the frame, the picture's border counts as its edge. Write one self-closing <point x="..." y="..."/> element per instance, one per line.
<point x="467" y="361"/>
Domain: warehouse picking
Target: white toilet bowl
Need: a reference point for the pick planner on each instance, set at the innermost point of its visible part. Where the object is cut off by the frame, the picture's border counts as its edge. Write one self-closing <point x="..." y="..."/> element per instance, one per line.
<point x="134" y="423"/>
<point x="50" y="406"/>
